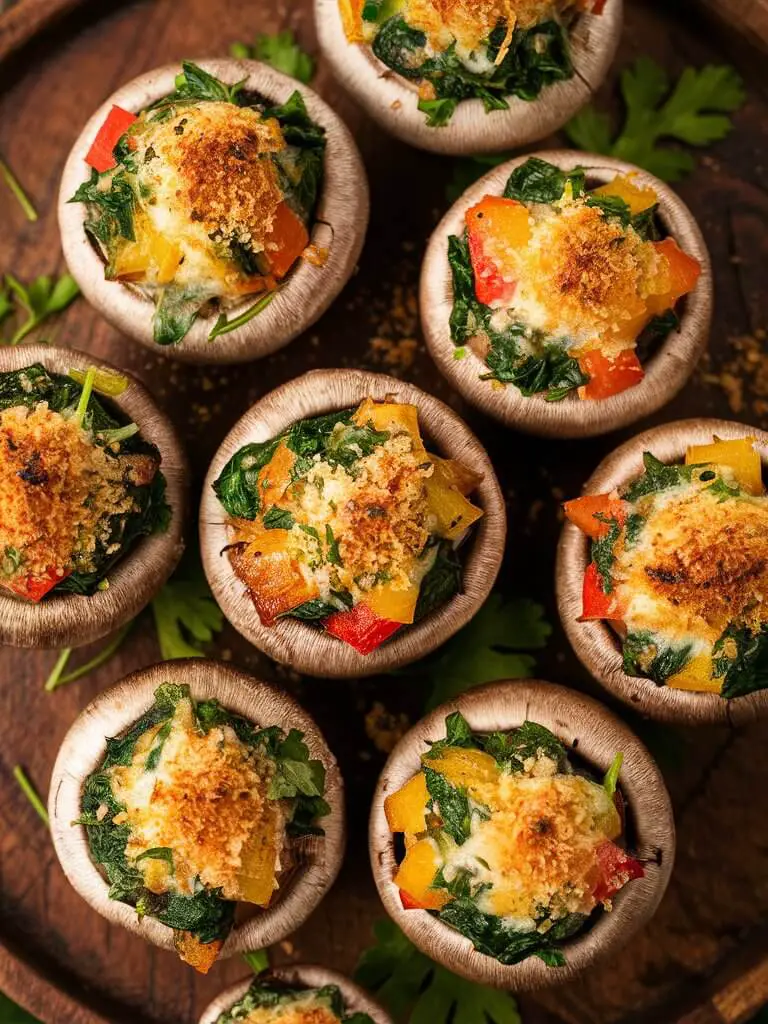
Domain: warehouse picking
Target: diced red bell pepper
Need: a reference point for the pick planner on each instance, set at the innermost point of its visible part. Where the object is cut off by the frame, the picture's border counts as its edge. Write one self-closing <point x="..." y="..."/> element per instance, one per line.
<point x="596" y="604"/>
<point x="101" y="154"/>
<point x="34" y="588"/>
<point x="616" y="869"/>
<point x="610" y="376"/>
<point x="583" y="512"/>
<point x="495" y="228"/>
<point x="360" y="628"/>
<point x="409" y="903"/>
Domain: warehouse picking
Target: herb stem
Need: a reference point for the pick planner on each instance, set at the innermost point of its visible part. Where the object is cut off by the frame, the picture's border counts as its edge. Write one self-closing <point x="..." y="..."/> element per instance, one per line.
<point x="31" y="794"/>
<point x="257" y="960"/>
<point x="224" y="326"/>
<point x="85" y="397"/>
<point x="21" y="197"/>
<point x="61" y="663"/>
<point x="100" y="658"/>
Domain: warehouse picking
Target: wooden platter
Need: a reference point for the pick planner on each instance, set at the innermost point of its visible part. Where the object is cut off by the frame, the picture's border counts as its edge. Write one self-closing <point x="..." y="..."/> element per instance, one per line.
<point x="60" y="959"/>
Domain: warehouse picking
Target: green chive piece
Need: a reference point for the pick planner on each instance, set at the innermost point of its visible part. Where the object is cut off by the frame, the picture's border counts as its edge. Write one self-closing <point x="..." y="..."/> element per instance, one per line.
<point x="31" y="793"/>
<point x="21" y="196"/>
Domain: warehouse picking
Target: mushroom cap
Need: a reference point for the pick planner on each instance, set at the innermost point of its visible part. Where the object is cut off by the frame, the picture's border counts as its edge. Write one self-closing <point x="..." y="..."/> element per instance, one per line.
<point x="598" y="646"/>
<point x="392" y="100"/>
<point x="70" y="620"/>
<point x="115" y="710"/>
<point x="304" y="647"/>
<point x="356" y="1000"/>
<point x="340" y="224"/>
<point x="599" y="734"/>
<point x="665" y="373"/>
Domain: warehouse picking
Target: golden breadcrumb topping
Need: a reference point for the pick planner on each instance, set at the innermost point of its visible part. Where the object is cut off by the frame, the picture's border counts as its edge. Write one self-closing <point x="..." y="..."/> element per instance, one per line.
<point x="582" y="274"/>
<point x="470" y="22"/>
<point x="540" y="840"/>
<point x="214" y="154"/>
<point x="700" y="563"/>
<point x="206" y="801"/>
<point x="58" y="491"/>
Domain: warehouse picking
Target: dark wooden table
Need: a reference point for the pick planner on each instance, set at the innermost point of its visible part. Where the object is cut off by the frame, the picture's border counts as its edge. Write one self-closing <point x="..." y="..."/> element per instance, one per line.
<point x="718" y="898"/>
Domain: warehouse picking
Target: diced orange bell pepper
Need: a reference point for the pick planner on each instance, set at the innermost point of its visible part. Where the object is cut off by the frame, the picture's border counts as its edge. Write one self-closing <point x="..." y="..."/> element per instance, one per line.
<point x="101" y="154"/>
<point x="616" y="868"/>
<point x="495" y="228"/>
<point x="453" y="473"/>
<point x="680" y="275"/>
<point x="740" y="456"/>
<point x="609" y="376"/>
<point x="275" y="477"/>
<point x="166" y="256"/>
<point x="200" y="955"/>
<point x="464" y="767"/>
<point x="583" y="512"/>
<point x="417" y="873"/>
<point x="352" y="19"/>
<point x="596" y="604"/>
<point x="360" y="628"/>
<point x="406" y="809"/>
<point x="275" y="580"/>
<point x="697" y="675"/>
<point x="286" y="241"/>
<point x="637" y="197"/>
<point x="453" y="513"/>
<point x="34" y="588"/>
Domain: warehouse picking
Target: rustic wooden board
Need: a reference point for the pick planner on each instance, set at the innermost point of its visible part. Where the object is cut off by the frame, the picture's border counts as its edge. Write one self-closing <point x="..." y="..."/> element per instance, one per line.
<point x="56" y="956"/>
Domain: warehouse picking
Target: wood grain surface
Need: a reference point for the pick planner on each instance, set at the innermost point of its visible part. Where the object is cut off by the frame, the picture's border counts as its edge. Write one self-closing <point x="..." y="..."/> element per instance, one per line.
<point x="718" y="897"/>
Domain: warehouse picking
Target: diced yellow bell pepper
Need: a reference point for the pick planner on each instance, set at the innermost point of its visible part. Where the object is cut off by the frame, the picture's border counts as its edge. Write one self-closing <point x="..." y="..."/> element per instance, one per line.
<point x="256" y="879"/>
<point x="464" y="767"/>
<point x="275" y="477"/>
<point x="452" y="473"/>
<point x="740" y="456"/>
<point x="392" y="416"/>
<point x="132" y="261"/>
<point x="417" y="873"/>
<point x="166" y="256"/>
<point x="393" y="605"/>
<point x="637" y="197"/>
<point x="454" y="513"/>
<point x="697" y="675"/>
<point x="405" y="809"/>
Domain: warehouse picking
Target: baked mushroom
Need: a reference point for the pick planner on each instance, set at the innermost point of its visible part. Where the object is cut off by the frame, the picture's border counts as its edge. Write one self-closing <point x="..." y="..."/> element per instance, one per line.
<point x="661" y="572"/>
<point x="314" y="995"/>
<point x="190" y="793"/>
<point x="567" y="294"/>
<point x="350" y="523"/>
<point x="92" y="495"/>
<point x="465" y="77"/>
<point x="519" y="833"/>
<point x="213" y="209"/>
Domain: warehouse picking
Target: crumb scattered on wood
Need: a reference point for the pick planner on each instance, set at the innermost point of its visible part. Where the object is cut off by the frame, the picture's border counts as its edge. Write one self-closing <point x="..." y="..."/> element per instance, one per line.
<point x="743" y="376"/>
<point x="385" y="729"/>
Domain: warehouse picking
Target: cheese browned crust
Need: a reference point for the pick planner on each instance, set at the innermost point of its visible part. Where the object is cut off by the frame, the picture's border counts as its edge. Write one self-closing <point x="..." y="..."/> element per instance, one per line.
<point x="700" y="563"/>
<point x="58" y="491"/>
<point x="306" y="1011"/>
<point x="206" y="801"/>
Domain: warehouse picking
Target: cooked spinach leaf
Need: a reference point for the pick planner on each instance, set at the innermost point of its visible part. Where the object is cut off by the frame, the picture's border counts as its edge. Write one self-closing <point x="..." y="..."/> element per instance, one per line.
<point x="441" y="583"/>
<point x="270" y="993"/>
<point x="513" y="749"/>
<point x="602" y="551"/>
<point x="278" y="519"/>
<point x="657" y="477"/>
<point x="537" y="181"/>
<point x="741" y="656"/>
<point x="644" y="655"/>
<point x="453" y="805"/>
<point x="237" y="487"/>
<point x="111" y="210"/>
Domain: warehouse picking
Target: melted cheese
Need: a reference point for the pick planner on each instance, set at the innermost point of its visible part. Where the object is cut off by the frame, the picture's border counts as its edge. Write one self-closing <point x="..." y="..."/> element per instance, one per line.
<point x="537" y="849"/>
<point x="306" y="1009"/>
<point x="699" y="564"/>
<point x="581" y="277"/>
<point x="206" y="801"/>
<point x="58" y="491"/>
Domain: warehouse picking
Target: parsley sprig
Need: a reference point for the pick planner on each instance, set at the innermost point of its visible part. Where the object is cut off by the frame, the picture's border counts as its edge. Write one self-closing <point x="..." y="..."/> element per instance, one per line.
<point x="693" y="111"/>
<point x="280" y="51"/>
<point x="35" y="302"/>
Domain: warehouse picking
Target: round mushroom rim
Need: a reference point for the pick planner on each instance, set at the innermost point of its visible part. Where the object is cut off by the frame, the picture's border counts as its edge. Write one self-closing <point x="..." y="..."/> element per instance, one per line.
<point x="306" y="648"/>
<point x="70" y="620"/>
<point x="115" y="710"/>
<point x="596" y="734"/>
<point x="340" y="224"/>
<point x="666" y="372"/>
<point x="393" y="101"/>
<point x="597" y="644"/>
<point x="309" y="976"/>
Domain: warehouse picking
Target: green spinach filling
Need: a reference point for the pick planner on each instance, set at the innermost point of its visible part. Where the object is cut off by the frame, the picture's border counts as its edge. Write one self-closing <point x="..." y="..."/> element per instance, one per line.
<point x="115" y="198"/>
<point x="273" y="994"/>
<point x="205" y="914"/>
<point x="529" y="359"/>
<point x="111" y="430"/>
<point x="537" y="57"/>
